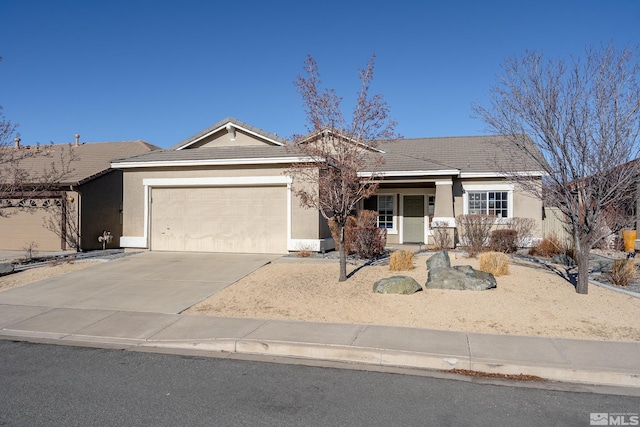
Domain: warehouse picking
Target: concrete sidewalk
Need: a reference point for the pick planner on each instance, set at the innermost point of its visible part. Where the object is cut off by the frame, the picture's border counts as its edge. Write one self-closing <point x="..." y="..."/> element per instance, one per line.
<point x="566" y="360"/>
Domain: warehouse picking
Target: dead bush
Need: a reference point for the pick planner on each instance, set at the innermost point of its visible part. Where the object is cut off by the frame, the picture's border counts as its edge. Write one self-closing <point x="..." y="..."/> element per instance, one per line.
<point x="361" y="235"/>
<point x="368" y="242"/>
<point x="524" y="228"/>
<point x="441" y="235"/>
<point x="367" y="219"/>
<point x="30" y="250"/>
<point x="474" y="232"/>
<point x="401" y="261"/>
<point x="503" y="241"/>
<point x="622" y="272"/>
<point x="548" y="247"/>
<point x="335" y="233"/>
<point x="496" y="263"/>
<point x="304" y="251"/>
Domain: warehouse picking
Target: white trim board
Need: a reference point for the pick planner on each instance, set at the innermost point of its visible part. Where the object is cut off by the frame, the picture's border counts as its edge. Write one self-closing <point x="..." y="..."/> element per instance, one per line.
<point x="211" y="162"/>
<point x="217" y="181"/>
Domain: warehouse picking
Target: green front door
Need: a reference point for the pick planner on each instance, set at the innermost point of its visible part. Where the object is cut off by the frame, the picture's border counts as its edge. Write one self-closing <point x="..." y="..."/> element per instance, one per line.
<point x="413" y="222"/>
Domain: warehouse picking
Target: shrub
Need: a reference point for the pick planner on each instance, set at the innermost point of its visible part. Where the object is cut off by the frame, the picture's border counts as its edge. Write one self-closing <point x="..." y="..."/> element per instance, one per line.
<point x="474" y="231"/>
<point x="304" y="251"/>
<point x="30" y="251"/>
<point x="401" y="261"/>
<point x="361" y="235"/>
<point x="623" y="272"/>
<point x="548" y="247"/>
<point x="368" y="242"/>
<point x="441" y="235"/>
<point x="367" y="219"/>
<point x="354" y="241"/>
<point x="496" y="263"/>
<point x="524" y="228"/>
<point x="503" y="241"/>
<point x="333" y="227"/>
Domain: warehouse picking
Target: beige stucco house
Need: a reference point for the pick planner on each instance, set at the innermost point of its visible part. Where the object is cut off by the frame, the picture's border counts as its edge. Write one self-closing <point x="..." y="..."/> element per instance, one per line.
<point x="72" y="213"/>
<point x="226" y="189"/>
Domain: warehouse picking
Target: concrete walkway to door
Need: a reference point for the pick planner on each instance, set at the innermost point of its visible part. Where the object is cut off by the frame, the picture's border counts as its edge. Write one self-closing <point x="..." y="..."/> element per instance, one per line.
<point x="158" y="282"/>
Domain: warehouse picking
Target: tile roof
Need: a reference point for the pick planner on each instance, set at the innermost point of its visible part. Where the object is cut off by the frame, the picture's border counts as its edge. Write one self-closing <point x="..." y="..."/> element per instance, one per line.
<point x="470" y="154"/>
<point x="91" y="158"/>
<point x="211" y="153"/>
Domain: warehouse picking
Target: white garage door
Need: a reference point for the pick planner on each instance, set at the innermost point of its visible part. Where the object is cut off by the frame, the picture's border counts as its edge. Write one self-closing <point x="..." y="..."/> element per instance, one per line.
<point x="219" y="219"/>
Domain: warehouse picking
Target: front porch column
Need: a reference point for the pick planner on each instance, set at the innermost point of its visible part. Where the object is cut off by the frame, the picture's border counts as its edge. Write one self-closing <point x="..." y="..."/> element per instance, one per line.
<point x="443" y="209"/>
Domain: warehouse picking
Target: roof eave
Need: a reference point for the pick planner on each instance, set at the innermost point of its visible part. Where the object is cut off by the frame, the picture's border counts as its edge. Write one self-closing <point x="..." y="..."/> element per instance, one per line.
<point x="500" y="174"/>
<point x="447" y="172"/>
<point x="211" y="162"/>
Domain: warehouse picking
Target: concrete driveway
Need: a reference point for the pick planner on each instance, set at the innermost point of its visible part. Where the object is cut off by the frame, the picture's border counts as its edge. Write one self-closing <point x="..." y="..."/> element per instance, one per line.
<point x="159" y="282"/>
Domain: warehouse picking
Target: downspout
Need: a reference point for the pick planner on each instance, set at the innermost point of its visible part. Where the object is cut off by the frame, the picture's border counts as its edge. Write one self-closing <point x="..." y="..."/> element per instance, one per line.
<point x="63" y="220"/>
<point x="78" y="216"/>
<point x="79" y="226"/>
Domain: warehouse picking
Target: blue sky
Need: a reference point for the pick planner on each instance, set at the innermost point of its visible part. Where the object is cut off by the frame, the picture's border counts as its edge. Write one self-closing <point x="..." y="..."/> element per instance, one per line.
<point x="163" y="70"/>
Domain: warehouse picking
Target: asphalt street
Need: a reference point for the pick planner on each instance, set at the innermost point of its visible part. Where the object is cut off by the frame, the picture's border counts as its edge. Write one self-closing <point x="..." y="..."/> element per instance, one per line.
<point x="49" y="385"/>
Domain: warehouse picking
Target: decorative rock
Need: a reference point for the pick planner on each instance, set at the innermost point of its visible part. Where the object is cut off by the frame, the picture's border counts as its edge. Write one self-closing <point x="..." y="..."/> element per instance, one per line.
<point x="439" y="259"/>
<point x="563" y="259"/>
<point x="403" y="285"/>
<point x="6" y="268"/>
<point x="462" y="277"/>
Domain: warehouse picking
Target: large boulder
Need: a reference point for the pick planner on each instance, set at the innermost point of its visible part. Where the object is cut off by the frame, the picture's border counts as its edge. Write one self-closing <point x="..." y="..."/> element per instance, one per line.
<point x="462" y="277"/>
<point x="404" y="285"/>
<point x="6" y="268"/>
<point x="439" y="259"/>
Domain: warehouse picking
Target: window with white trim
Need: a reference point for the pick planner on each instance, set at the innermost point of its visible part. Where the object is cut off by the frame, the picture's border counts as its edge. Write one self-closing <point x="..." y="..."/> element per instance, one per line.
<point x="384" y="205"/>
<point x="494" y="203"/>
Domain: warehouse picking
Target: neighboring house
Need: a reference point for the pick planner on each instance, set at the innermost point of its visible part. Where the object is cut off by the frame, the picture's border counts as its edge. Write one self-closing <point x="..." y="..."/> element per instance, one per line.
<point x="86" y="203"/>
<point x="226" y="189"/>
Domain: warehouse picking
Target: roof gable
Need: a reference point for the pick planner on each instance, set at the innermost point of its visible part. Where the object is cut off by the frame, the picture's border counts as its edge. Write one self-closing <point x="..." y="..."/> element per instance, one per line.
<point x="337" y="136"/>
<point x="230" y="132"/>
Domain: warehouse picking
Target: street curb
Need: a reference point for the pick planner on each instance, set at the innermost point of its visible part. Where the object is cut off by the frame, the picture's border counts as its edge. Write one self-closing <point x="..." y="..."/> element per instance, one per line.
<point x="379" y="357"/>
<point x="403" y="359"/>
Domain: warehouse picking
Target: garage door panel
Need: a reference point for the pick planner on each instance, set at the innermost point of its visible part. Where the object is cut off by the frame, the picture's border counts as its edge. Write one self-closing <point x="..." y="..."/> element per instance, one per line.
<point x="219" y="219"/>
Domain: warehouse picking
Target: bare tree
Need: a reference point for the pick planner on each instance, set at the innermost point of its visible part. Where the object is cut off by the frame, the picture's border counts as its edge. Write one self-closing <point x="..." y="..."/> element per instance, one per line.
<point x="579" y="121"/>
<point x="28" y="171"/>
<point x="63" y="222"/>
<point x="343" y="161"/>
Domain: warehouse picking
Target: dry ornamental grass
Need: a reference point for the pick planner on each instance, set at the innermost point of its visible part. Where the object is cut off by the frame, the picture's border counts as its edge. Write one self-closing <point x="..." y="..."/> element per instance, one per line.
<point x="496" y="263"/>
